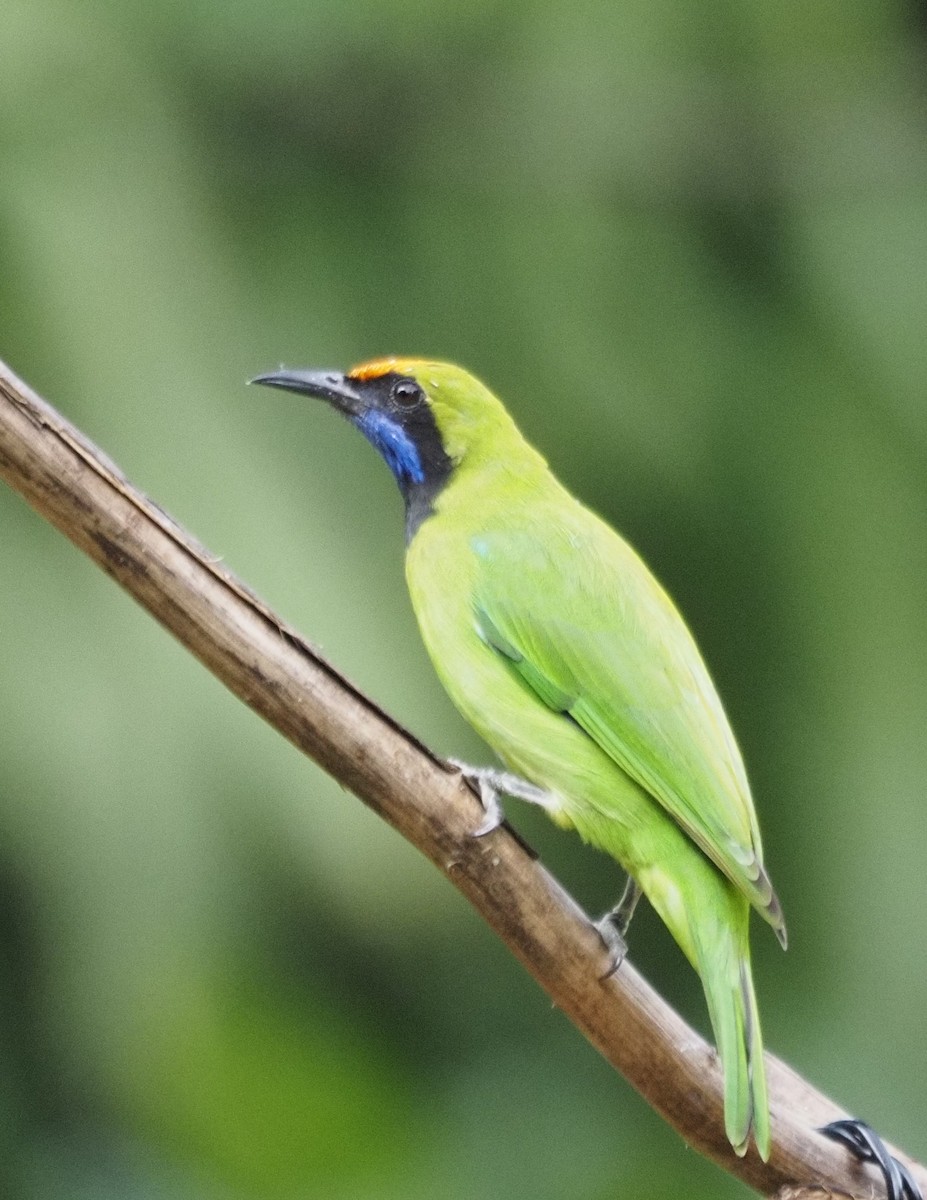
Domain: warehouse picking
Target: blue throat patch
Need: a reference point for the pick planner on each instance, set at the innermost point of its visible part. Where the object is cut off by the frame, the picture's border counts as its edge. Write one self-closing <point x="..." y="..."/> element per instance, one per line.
<point x="392" y="441"/>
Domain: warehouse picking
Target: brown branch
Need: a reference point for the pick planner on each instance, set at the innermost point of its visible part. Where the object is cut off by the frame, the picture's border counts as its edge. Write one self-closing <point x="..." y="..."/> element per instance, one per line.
<point x="269" y="666"/>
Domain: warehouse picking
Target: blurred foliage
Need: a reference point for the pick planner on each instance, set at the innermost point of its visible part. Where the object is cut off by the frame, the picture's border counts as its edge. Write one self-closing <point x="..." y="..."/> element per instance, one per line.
<point x="686" y="244"/>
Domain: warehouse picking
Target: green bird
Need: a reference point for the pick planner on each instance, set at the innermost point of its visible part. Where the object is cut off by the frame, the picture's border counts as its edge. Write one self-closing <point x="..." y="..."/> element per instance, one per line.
<point x="557" y="644"/>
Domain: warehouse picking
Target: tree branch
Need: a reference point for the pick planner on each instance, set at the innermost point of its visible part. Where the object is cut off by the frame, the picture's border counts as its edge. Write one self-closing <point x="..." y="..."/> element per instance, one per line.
<point x="287" y="682"/>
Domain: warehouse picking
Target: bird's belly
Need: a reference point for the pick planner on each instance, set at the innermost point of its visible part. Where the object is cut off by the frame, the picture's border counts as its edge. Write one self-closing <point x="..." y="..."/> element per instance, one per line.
<point x="587" y="790"/>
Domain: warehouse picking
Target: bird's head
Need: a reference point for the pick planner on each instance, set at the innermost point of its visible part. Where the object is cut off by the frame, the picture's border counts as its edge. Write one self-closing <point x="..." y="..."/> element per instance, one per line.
<point x="425" y="418"/>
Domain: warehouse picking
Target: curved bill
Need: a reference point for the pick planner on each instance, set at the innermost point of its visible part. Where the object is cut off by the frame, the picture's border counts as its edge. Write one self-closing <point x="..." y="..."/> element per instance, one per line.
<point x="331" y="386"/>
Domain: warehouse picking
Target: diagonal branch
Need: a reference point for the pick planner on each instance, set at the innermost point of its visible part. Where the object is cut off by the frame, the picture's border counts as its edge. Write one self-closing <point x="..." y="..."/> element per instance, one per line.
<point x="287" y="682"/>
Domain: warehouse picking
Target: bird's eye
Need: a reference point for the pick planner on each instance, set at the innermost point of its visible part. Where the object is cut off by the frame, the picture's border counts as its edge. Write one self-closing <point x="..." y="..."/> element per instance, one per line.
<point x="406" y="392"/>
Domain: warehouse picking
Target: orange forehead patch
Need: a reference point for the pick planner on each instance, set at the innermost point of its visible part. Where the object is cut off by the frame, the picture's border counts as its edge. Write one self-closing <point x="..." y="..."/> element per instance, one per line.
<point x="380" y="366"/>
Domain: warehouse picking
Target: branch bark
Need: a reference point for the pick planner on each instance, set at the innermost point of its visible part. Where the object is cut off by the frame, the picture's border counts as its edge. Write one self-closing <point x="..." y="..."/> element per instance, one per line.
<point x="287" y="682"/>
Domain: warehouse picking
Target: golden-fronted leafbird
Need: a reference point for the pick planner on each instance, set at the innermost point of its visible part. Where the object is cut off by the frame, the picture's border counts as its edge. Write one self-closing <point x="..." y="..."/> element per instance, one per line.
<point x="561" y="649"/>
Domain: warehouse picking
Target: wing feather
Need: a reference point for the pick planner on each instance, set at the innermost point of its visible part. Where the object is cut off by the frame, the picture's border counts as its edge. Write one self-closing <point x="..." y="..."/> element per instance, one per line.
<point x="593" y="634"/>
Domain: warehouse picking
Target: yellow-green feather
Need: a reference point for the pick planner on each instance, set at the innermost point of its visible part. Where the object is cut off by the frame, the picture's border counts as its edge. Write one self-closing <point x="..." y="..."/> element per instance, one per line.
<point x="557" y="644"/>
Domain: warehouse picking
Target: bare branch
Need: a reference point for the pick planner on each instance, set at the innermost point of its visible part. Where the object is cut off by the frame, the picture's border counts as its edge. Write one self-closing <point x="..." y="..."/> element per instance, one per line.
<point x="269" y="666"/>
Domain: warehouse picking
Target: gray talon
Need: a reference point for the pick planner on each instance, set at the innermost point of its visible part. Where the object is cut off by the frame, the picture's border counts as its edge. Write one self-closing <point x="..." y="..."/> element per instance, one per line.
<point x="489" y="798"/>
<point x="614" y="943"/>
<point x="613" y="926"/>
<point x="491" y="782"/>
<point x="483" y="780"/>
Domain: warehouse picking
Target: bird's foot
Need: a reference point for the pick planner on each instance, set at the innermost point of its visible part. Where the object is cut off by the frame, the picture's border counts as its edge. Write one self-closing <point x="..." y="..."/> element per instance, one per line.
<point x="613" y="940"/>
<point x="489" y="782"/>
<point x="620" y="916"/>
<point x="612" y="927"/>
<point x="869" y="1147"/>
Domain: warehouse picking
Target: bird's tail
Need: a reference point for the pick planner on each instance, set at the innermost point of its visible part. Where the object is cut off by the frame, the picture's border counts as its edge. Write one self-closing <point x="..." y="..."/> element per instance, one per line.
<point x="710" y="919"/>
<point x="724" y="965"/>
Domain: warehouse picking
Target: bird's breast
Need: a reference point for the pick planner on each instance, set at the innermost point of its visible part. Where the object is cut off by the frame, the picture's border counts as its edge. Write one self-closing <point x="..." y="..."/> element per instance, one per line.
<point x="542" y="746"/>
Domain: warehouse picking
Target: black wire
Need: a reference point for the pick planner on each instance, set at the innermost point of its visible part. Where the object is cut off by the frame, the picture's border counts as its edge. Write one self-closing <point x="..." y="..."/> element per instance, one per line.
<point x="869" y="1147"/>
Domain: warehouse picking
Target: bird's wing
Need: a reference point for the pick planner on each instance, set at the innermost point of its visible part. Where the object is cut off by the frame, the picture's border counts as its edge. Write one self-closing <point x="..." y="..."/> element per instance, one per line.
<point x="583" y="622"/>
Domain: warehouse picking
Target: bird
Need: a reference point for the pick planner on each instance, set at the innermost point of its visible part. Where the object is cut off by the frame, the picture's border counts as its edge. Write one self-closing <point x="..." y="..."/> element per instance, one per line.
<point x="558" y="645"/>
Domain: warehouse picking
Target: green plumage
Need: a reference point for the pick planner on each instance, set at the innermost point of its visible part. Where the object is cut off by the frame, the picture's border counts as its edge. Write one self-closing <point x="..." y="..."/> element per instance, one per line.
<point x="561" y="649"/>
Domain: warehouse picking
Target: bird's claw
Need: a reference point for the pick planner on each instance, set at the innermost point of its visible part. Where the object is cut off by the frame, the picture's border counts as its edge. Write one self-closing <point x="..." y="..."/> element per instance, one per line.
<point x="613" y="940"/>
<point x="613" y="926"/>
<point x="489" y="798"/>
<point x="869" y="1147"/>
<point x="481" y="779"/>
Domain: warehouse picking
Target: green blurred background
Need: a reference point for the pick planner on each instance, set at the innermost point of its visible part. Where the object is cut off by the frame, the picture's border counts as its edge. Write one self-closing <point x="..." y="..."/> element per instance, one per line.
<point x="687" y="245"/>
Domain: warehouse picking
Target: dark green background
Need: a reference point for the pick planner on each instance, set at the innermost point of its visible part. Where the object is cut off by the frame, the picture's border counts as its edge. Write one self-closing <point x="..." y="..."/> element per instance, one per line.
<point x="687" y="244"/>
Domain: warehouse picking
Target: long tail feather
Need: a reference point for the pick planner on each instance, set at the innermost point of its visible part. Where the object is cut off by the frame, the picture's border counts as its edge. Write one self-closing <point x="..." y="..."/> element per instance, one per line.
<point x="728" y="983"/>
<point x="757" y="1067"/>
<point x="710" y="920"/>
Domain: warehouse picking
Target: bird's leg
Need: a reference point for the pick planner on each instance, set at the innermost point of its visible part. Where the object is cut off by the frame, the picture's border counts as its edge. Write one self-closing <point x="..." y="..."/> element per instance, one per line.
<point x="489" y="782"/>
<point x="613" y="926"/>
<point x="620" y="916"/>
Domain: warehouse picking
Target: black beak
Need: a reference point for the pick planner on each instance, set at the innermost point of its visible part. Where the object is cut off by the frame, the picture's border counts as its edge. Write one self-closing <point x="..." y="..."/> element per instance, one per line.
<point x="331" y="386"/>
